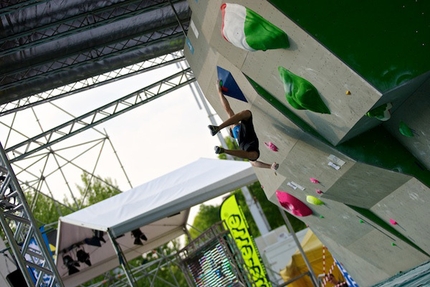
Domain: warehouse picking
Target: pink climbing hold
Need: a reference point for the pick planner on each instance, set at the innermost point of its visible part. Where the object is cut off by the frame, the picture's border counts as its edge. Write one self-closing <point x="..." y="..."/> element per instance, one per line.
<point x="319" y="191"/>
<point x="293" y="204"/>
<point x="393" y="222"/>
<point x="271" y="146"/>
<point x="314" y="180"/>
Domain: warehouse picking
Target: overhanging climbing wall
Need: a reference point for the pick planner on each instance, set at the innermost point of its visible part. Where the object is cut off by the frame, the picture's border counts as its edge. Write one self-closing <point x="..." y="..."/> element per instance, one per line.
<point x="353" y="158"/>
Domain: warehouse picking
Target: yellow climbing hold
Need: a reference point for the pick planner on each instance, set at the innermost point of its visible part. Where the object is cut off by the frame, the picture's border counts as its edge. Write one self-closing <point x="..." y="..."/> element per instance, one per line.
<point x="313" y="200"/>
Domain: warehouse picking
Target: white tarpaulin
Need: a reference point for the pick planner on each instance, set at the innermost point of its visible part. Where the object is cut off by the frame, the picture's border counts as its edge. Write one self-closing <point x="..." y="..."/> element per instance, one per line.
<point x="159" y="208"/>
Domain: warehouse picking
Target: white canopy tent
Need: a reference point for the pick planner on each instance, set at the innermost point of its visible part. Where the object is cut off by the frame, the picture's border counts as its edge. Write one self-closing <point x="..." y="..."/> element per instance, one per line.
<point x="160" y="208"/>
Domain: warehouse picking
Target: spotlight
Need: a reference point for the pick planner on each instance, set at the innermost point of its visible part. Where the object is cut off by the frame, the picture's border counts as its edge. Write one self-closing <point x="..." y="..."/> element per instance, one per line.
<point x="93" y="241"/>
<point x="99" y="234"/>
<point x="138" y="235"/>
<point x="83" y="257"/>
<point x="71" y="264"/>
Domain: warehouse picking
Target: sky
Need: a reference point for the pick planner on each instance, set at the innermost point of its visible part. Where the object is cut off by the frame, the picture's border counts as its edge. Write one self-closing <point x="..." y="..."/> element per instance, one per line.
<point x="150" y="141"/>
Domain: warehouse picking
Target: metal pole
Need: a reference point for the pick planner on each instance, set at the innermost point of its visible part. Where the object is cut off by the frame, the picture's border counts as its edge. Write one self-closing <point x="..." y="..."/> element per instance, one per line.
<point x="122" y="260"/>
<point x="299" y="246"/>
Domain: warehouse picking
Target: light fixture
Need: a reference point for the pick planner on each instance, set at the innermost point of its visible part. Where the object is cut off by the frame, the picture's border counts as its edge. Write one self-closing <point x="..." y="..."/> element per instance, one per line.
<point x="99" y="234"/>
<point x="83" y="256"/>
<point x="96" y="239"/>
<point x="71" y="264"/>
<point x="93" y="241"/>
<point x="138" y="235"/>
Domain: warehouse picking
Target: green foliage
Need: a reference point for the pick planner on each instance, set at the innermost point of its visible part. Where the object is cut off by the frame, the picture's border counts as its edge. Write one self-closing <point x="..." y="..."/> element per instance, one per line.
<point x="206" y="217"/>
<point x="162" y="273"/>
<point x="209" y="214"/>
<point x="45" y="209"/>
<point x="95" y="190"/>
<point x="170" y="273"/>
<point x="231" y="144"/>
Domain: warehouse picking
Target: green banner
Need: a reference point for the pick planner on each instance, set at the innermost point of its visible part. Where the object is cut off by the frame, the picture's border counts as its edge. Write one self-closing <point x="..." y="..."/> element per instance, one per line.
<point x="232" y="216"/>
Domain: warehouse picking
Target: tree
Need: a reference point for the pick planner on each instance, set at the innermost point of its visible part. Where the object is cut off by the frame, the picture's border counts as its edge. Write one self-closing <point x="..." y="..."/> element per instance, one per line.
<point x="45" y="210"/>
<point x="207" y="216"/>
<point x="95" y="190"/>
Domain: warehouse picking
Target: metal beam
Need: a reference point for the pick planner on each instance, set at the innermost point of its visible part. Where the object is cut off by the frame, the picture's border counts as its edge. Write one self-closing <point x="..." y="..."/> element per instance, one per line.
<point x="100" y="115"/>
<point x="80" y="60"/>
<point x="76" y="24"/>
<point x="92" y="82"/>
<point x="22" y="232"/>
<point x="7" y="9"/>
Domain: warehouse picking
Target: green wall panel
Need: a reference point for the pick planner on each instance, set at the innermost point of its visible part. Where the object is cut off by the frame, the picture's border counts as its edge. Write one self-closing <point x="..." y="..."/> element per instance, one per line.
<point x="387" y="42"/>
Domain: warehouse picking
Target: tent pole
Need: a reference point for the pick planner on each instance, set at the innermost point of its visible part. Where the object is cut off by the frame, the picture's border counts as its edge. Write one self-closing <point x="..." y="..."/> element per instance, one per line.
<point x="122" y="259"/>
<point x="187" y="233"/>
<point x="299" y="246"/>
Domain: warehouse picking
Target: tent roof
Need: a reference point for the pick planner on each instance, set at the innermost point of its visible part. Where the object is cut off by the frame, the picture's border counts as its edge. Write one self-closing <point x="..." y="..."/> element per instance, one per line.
<point x="159" y="207"/>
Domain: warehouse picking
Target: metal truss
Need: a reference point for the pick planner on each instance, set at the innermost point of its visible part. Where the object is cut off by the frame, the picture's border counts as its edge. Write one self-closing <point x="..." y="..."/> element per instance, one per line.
<point x="37" y="182"/>
<point x="23" y="236"/>
<point x="95" y="54"/>
<point x="31" y="156"/>
<point x="11" y="204"/>
<point x="102" y="114"/>
<point x="77" y="23"/>
<point x="92" y="82"/>
<point x="7" y="8"/>
<point x="147" y="273"/>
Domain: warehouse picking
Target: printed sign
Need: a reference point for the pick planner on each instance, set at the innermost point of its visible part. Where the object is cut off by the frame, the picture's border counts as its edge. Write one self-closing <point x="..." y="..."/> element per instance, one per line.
<point x="233" y="217"/>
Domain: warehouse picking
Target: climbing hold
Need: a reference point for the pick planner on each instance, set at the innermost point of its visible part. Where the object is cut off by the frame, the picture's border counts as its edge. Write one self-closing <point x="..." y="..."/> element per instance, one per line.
<point x="321" y="216"/>
<point x="381" y="113"/>
<point x="300" y="93"/>
<point x="271" y="146"/>
<point x="348" y="92"/>
<point x="361" y="221"/>
<point x="405" y="130"/>
<point x="314" y="180"/>
<point x="249" y="31"/>
<point x="313" y="200"/>
<point x="319" y="191"/>
<point x="393" y="222"/>
<point x="393" y="244"/>
<point x="292" y="204"/>
<point x="229" y="85"/>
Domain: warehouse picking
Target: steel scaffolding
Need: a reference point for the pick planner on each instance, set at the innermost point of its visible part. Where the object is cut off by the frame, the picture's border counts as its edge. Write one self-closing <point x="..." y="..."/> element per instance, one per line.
<point x="24" y="238"/>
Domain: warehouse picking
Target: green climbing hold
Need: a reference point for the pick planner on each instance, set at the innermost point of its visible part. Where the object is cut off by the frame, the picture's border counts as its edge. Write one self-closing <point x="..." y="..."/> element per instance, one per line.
<point x="300" y="93"/>
<point x="381" y="113"/>
<point x="361" y="221"/>
<point x="393" y="244"/>
<point x="321" y="216"/>
<point x="405" y="130"/>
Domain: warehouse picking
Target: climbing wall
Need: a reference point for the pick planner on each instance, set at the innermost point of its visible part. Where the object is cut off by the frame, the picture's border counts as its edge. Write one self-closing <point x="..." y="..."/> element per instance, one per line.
<point x="342" y="165"/>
